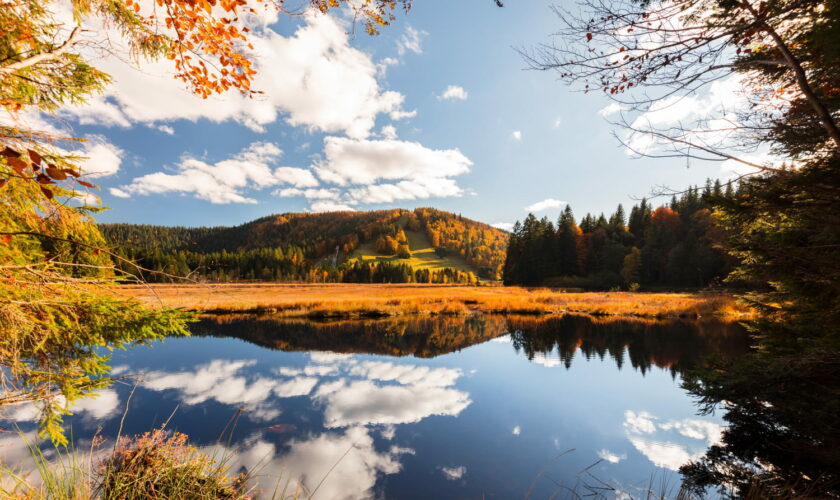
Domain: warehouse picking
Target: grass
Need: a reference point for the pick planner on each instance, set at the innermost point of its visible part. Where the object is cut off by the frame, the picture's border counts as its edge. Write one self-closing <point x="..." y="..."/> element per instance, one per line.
<point x="156" y="465"/>
<point x="374" y="300"/>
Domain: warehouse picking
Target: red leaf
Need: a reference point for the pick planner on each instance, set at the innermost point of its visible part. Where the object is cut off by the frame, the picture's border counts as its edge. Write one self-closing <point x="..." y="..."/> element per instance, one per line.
<point x="56" y="173"/>
<point x="5" y="238"/>
<point x="34" y="156"/>
<point x="9" y="153"/>
<point x="588" y="36"/>
<point x="85" y="184"/>
<point x="48" y="193"/>
<point x="17" y="164"/>
<point x="3" y="182"/>
<point x="43" y="179"/>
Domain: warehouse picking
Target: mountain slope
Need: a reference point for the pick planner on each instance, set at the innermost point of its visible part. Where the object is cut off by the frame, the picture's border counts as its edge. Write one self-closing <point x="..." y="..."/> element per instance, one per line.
<point x="434" y="239"/>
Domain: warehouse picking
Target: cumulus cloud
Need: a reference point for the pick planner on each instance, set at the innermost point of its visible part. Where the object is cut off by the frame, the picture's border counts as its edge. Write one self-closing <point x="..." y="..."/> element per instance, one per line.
<point x="227" y="382"/>
<point x="101" y="405"/>
<point x="353" y="161"/>
<point x="313" y="78"/>
<point x="100" y="158"/>
<point x="669" y="443"/>
<point x="545" y="205"/>
<point x="611" y="457"/>
<point x="504" y="226"/>
<point x="517" y="135"/>
<point x="316" y="194"/>
<point x="363" y="402"/>
<point x="453" y="473"/>
<point x="610" y="109"/>
<point x="411" y="41"/>
<point x="517" y="430"/>
<point x="330" y="206"/>
<point x="454" y="92"/>
<point x="388" y="132"/>
<point x="224" y="181"/>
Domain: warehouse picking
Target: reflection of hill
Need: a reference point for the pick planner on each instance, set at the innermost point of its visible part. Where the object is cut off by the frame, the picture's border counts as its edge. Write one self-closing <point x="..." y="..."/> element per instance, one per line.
<point x="423" y="337"/>
<point x="676" y="345"/>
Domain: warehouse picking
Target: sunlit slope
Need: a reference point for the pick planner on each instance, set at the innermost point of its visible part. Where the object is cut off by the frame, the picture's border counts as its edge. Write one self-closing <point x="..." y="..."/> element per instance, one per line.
<point x="423" y="255"/>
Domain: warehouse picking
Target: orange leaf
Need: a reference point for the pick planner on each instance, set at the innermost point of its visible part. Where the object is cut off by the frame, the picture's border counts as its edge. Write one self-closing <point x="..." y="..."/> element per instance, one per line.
<point x="6" y="238"/>
<point x="17" y="164"/>
<point x="34" y="156"/>
<point x="56" y="173"/>
<point x="85" y="184"/>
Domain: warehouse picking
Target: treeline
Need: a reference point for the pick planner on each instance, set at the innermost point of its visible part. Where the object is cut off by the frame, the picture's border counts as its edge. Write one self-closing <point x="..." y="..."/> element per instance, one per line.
<point x="677" y="245"/>
<point x="307" y="247"/>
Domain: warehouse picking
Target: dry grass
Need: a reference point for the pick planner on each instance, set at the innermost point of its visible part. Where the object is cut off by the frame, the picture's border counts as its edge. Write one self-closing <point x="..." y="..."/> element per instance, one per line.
<point x="363" y="300"/>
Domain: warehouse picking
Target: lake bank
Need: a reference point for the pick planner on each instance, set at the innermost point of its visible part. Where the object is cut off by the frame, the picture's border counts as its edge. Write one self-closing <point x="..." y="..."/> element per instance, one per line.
<point x="375" y="300"/>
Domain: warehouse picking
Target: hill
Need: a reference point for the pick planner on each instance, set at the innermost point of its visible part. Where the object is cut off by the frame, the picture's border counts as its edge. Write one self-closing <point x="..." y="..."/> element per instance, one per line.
<point x="383" y="245"/>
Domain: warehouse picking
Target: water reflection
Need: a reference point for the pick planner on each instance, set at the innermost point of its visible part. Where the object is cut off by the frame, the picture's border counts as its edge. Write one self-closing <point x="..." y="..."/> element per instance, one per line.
<point x="339" y="408"/>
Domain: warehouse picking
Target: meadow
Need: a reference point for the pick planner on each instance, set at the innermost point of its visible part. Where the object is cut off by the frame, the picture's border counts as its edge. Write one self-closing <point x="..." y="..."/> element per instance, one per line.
<point x="381" y="300"/>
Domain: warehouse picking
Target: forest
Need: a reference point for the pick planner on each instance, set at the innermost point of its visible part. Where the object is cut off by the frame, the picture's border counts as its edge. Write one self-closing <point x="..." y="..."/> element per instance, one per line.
<point x="308" y="247"/>
<point x="678" y="245"/>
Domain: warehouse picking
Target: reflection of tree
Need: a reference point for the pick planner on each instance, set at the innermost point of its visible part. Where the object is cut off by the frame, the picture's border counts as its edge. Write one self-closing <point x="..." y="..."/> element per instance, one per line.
<point x="675" y="345"/>
<point x="421" y="337"/>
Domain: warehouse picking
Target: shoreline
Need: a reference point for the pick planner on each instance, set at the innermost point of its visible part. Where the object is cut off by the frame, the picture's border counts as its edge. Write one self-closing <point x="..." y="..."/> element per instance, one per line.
<point x="371" y="301"/>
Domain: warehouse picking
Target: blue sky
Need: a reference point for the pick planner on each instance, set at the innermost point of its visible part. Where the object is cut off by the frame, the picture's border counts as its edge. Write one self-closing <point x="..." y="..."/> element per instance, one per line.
<point x="338" y="121"/>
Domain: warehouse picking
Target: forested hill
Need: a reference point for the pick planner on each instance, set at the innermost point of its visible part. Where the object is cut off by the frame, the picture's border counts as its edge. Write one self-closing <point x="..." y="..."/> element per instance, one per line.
<point x="425" y="245"/>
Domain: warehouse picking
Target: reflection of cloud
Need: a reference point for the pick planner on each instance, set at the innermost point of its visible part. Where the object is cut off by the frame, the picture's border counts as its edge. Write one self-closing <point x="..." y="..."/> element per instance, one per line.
<point x="611" y="457"/>
<point x="328" y="357"/>
<point x="364" y="402"/>
<point x="546" y="360"/>
<point x="453" y="473"/>
<point x="516" y="430"/>
<point x="672" y="443"/>
<point x="221" y="380"/>
<point x="641" y="423"/>
<point x="663" y="454"/>
<point x="99" y="406"/>
<point x="356" y="463"/>
<point x="406" y="374"/>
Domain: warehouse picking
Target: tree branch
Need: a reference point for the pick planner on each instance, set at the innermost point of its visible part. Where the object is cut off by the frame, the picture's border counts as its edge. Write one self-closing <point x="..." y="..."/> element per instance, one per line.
<point x="43" y="56"/>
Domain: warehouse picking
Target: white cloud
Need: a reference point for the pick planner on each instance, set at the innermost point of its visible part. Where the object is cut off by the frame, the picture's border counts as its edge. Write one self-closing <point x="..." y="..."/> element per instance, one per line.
<point x="517" y="135"/>
<point x="671" y="443"/>
<point x="99" y="406"/>
<point x="454" y="92"/>
<point x="558" y="121"/>
<point x="388" y="132"/>
<point x="166" y="129"/>
<point x="639" y="423"/>
<point x="546" y="360"/>
<point x="101" y="158"/>
<point x="610" y="109"/>
<point x="316" y="194"/>
<point x="453" y="473"/>
<point x="352" y="161"/>
<point x="611" y="457"/>
<point x="411" y="41"/>
<point x="313" y="78"/>
<point x="225" y="381"/>
<point x="504" y="226"/>
<point x="517" y="430"/>
<point x="545" y="205"/>
<point x="225" y="181"/>
<point x="330" y="206"/>
<point x="362" y="402"/>
<point x="406" y="374"/>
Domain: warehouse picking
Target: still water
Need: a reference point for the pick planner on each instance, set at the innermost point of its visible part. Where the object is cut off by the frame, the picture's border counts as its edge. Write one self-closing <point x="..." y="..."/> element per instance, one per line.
<point x="426" y="408"/>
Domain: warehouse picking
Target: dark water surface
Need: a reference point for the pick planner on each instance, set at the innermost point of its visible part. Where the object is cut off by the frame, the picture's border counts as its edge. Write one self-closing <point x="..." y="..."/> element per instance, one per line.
<point x="428" y="408"/>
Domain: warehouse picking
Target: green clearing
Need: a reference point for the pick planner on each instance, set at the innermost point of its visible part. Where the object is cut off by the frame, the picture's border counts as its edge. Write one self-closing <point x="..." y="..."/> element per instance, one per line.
<point x="423" y="255"/>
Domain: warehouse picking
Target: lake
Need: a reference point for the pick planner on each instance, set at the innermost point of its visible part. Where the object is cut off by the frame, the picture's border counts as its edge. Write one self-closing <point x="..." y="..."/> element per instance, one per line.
<point x="454" y="407"/>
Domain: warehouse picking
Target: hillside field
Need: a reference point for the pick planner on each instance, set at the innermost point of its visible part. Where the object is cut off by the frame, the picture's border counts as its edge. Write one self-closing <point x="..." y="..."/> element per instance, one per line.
<point x="423" y="254"/>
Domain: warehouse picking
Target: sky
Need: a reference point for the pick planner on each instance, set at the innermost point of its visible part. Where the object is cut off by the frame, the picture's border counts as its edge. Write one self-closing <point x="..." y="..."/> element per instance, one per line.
<point x="438" y="110"/>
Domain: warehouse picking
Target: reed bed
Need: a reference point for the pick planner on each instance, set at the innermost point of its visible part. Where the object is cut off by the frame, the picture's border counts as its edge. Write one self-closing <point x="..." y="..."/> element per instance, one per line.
<point x="377" y="300"/>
